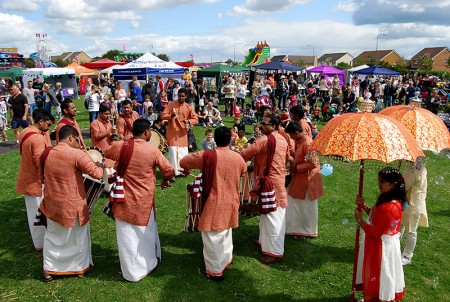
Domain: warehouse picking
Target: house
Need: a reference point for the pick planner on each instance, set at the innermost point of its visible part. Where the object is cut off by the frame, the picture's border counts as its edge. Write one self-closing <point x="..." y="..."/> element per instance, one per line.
<point x="79" y="56"/>
<point x="304" y="61"/>
<point x="439" y="55"/>
<point x="333" y="59"/>
<point x="375" y="56"/>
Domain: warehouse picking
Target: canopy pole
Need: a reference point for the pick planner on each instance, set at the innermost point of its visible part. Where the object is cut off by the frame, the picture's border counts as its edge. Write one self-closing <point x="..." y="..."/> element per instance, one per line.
<point x="356" y="250"/>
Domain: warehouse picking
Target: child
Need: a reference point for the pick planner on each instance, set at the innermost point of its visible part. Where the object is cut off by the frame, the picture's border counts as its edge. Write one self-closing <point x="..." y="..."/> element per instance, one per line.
<point x="3" y="123"/>
<point x="241" y="141"/>
<point x="234" y="137"/>
<point x="208" y="143"/>
<point x="249" y="115"/>
<point x="237" y="109"/>
<point x="292" y="100"/>
<point x="147" y="104"/>
<point x="314" y="130"/>
<point x="215" y="100"/>
<point x="256" y="134"/>
<point x="326" y="108"/>
<point x="382" y="240"/>
<point x="238" y="125"/>
<point x="151" y="116"/>
<point x="316" y="113"/>
<point x="164" y="100"/>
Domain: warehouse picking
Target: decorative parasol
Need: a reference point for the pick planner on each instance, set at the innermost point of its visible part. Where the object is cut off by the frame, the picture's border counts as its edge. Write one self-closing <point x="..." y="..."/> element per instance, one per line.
<point x="427" y="128"/>
<point x="361" y="137"/>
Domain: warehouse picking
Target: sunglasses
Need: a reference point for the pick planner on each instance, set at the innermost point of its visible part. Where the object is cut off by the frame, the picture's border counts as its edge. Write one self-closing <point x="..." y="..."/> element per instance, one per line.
<point x="266" y="124"/>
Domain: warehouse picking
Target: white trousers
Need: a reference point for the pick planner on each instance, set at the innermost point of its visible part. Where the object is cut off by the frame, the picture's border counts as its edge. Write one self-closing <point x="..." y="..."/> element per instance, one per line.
<point x="272" y="231"/>
<point x="302" y="217"/>
<point x="67" y="251"/>
<point x="37" y="232"/>
<point x="139" y="248"/>
<point x="175" y="155"/>
<point x="217" y="251"/>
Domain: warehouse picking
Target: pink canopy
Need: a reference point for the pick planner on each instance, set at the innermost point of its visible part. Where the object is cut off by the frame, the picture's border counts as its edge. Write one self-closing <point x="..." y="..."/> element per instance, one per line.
<point x="329" y="72"/>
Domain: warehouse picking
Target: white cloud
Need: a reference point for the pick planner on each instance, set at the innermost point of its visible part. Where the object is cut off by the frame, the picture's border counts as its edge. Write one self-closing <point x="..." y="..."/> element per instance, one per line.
<point x="347" y="6"/>
<point x="17" y="32"/>
<point x="20" y="5"/>
<point x="253" y="7"/>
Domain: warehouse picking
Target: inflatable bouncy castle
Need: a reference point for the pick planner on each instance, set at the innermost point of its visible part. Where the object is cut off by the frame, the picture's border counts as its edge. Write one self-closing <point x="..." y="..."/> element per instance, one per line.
<point x="258" y="55"/>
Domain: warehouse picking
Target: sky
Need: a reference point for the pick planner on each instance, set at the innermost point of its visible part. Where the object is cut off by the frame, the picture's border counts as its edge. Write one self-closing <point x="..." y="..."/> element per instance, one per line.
<point x="217" y="30"/>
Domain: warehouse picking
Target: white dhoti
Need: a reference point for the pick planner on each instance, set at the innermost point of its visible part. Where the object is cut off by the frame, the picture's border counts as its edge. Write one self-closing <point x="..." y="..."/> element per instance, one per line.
<point x="37" y="232"/>
<point x="67" y="251"/>
<point x="217" y="251"/>
<point x="175" y="155"/>
<point x="139" y="248"/>
<point x="302" y="217"/>
<point x="272" y="231"/>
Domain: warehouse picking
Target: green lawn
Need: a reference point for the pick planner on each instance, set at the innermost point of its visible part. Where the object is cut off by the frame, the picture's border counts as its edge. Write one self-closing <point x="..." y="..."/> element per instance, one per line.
<point x="313" y="270"/>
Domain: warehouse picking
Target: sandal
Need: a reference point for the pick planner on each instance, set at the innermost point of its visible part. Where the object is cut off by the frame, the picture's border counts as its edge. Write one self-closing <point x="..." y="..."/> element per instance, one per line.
<point x="47" y="277"/>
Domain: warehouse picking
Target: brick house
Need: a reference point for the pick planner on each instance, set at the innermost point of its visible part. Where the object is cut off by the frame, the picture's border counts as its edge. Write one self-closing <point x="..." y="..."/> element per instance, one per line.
<point x="299" y="60"/>
<point x="439" y="55"/>
<point x="79" y="56"/>
<point x="333" y="59"/>
<point x="373" y="56"/>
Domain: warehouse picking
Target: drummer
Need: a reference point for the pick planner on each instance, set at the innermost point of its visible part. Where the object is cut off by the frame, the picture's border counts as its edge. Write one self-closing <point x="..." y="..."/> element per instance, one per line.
<point x="70" y="112"/>
<point x="101" y="129"/>
<point x="222" y="170"/>
<point x="126" y="120"/>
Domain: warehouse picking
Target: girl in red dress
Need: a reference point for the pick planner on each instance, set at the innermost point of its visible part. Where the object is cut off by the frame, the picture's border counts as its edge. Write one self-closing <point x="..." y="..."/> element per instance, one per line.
<point x="380" y="271"/>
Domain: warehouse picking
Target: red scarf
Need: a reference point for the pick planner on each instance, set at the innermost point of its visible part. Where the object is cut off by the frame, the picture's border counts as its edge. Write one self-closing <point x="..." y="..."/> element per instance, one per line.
<point x="117" y="193"/>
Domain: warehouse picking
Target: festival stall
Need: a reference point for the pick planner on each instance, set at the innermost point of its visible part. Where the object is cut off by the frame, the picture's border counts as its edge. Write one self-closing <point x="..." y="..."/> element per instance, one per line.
<point x="145" y="66"/>
<point x="82" y="71"/>
<point x="329" y="72"/>
<point x="277" y="67"/>
<point x="109" y="71"/>
<point x="13" y="73"/>
<point x="213" y="75"/>
<point x="378" y="70"/>
<point x="66" y="76"/>
<point x="102" y="64"/>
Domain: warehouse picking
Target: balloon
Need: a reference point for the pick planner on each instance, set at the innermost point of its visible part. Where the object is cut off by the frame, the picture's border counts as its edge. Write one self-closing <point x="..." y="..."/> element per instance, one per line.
<point x="326" y="170"/>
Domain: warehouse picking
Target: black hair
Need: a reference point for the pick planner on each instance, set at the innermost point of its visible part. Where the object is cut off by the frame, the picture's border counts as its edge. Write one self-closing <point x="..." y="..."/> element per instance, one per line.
<point x="275" y="120"/>
<point x="398" y="193"/>
<point x="65" y="104"/>
<point x="182" y="90"/>
<point x="67" y="131"/>
<point x="222" y="136"/>
<point x="104" y="107"/>
<point x="127" y="102"/>
<point x="140" y="125"/>
<point x="208" y="131"/>
<point x="297" y="110"/>
<point x="293" y="127"/>
<point x="42" y="114"/>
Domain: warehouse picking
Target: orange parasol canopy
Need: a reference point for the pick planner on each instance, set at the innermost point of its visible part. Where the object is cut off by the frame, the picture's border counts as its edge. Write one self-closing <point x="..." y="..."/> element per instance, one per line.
<point x="427" y="128"/>
<point x="367" y="136"/>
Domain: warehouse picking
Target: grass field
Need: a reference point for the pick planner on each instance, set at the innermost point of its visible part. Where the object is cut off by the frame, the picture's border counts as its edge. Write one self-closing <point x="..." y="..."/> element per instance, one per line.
<point x="314" y="270"/>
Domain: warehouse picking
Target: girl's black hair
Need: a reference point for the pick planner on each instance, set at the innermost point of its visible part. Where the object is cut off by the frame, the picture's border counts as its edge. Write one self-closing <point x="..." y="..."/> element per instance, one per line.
<point x="398" y="193"/>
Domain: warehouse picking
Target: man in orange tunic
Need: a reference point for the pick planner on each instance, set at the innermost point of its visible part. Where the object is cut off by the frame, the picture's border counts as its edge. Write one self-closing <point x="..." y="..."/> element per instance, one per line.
<point x="298" y="115"/>
<point x="126" y="120"/>
<point x="137" y="232"/>
<point x="302" y="213"/>
<point x="70" y="112"/>
<point x="101" y="129"/>
<point x="221" y="209"/>
<point x="272" y="225"/>
<point x="67" y="242"/>
<point x="33" y="140"/>
<point x="180" y="115"/>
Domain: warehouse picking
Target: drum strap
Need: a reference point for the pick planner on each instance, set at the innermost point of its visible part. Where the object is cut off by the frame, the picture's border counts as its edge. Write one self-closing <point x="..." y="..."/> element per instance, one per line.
<point x="25" y="138"/>
<point x="268" y="200"/>
<point x="117" y="193"/>
<point x="43" y="158"/>
<point x="209" y="170"/>
<point x="127" y="120"/>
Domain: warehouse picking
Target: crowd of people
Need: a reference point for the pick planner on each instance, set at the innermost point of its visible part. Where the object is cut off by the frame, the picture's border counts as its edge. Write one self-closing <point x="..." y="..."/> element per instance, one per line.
<point x="281" y="117"/>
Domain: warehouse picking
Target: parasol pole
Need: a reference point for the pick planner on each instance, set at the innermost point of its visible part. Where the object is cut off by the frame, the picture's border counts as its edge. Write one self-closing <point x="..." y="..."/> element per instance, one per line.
<point x="356" y="250"/>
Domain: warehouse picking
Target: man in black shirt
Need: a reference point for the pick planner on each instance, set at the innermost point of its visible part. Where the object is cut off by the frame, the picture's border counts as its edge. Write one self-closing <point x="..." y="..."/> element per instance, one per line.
<point x="18" y="105"/>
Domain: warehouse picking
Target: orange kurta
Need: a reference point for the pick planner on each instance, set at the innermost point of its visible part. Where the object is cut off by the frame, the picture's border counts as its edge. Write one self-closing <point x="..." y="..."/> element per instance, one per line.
<point x="97" y="127"/>
<point x="289" y="140"/>
<point x="177" y="132"/>
<point x="306" y="128"/>
<point x="28" y="180"/>
<point x="122" y="128"/>
<point x="277" y="173"/>
<point x="73" y="124"/>
<point x="307" y="177"/>
<point x="221" y="211"/>
<point x="139" y="181"/>
<point x="64" y="194"/>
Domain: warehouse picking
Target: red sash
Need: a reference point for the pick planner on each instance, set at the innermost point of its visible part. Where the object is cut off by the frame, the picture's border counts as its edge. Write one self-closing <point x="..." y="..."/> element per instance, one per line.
<point x="127" y="119"/>
<point x="117" y="193"/>
<point x="25" y="138"/>
<point x="267" y="197"/>
<point x="41" y="219"/>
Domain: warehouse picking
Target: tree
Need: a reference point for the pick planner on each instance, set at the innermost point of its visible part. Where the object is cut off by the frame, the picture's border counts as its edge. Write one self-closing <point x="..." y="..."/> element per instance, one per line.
<point x="59" y="62"/>
<point x="358" y="62"/>
<point x="401" y="66"/>
<point x="343" y="66"/>
<point x="426" y="64"/>
<point x="163" y="57"/>
<point x="29" y="63"/>
<point x="111" y="54"/>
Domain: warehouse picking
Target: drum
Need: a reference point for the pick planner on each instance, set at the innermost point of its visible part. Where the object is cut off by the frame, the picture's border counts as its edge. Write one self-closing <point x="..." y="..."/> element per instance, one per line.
<point x="248" y="206"/>
<point x="158" y="141"/>
<point x="93" y="187"/>
<point x="192" y="210"/>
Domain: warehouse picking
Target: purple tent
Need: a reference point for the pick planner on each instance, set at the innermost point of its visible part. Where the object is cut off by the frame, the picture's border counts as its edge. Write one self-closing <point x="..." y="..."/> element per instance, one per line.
<point x="329" y="72"/>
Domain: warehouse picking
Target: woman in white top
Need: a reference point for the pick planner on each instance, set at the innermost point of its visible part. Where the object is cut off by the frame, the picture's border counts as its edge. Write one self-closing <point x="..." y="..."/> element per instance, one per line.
<point x="94" y="103"/>
<point x="120" y="95"/>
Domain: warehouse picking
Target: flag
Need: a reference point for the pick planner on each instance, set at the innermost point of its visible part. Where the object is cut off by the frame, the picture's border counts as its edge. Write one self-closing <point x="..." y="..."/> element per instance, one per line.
<point x="124" y="46"/>
<point x="192" y="56"/>
<point x="38" y="35"/>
